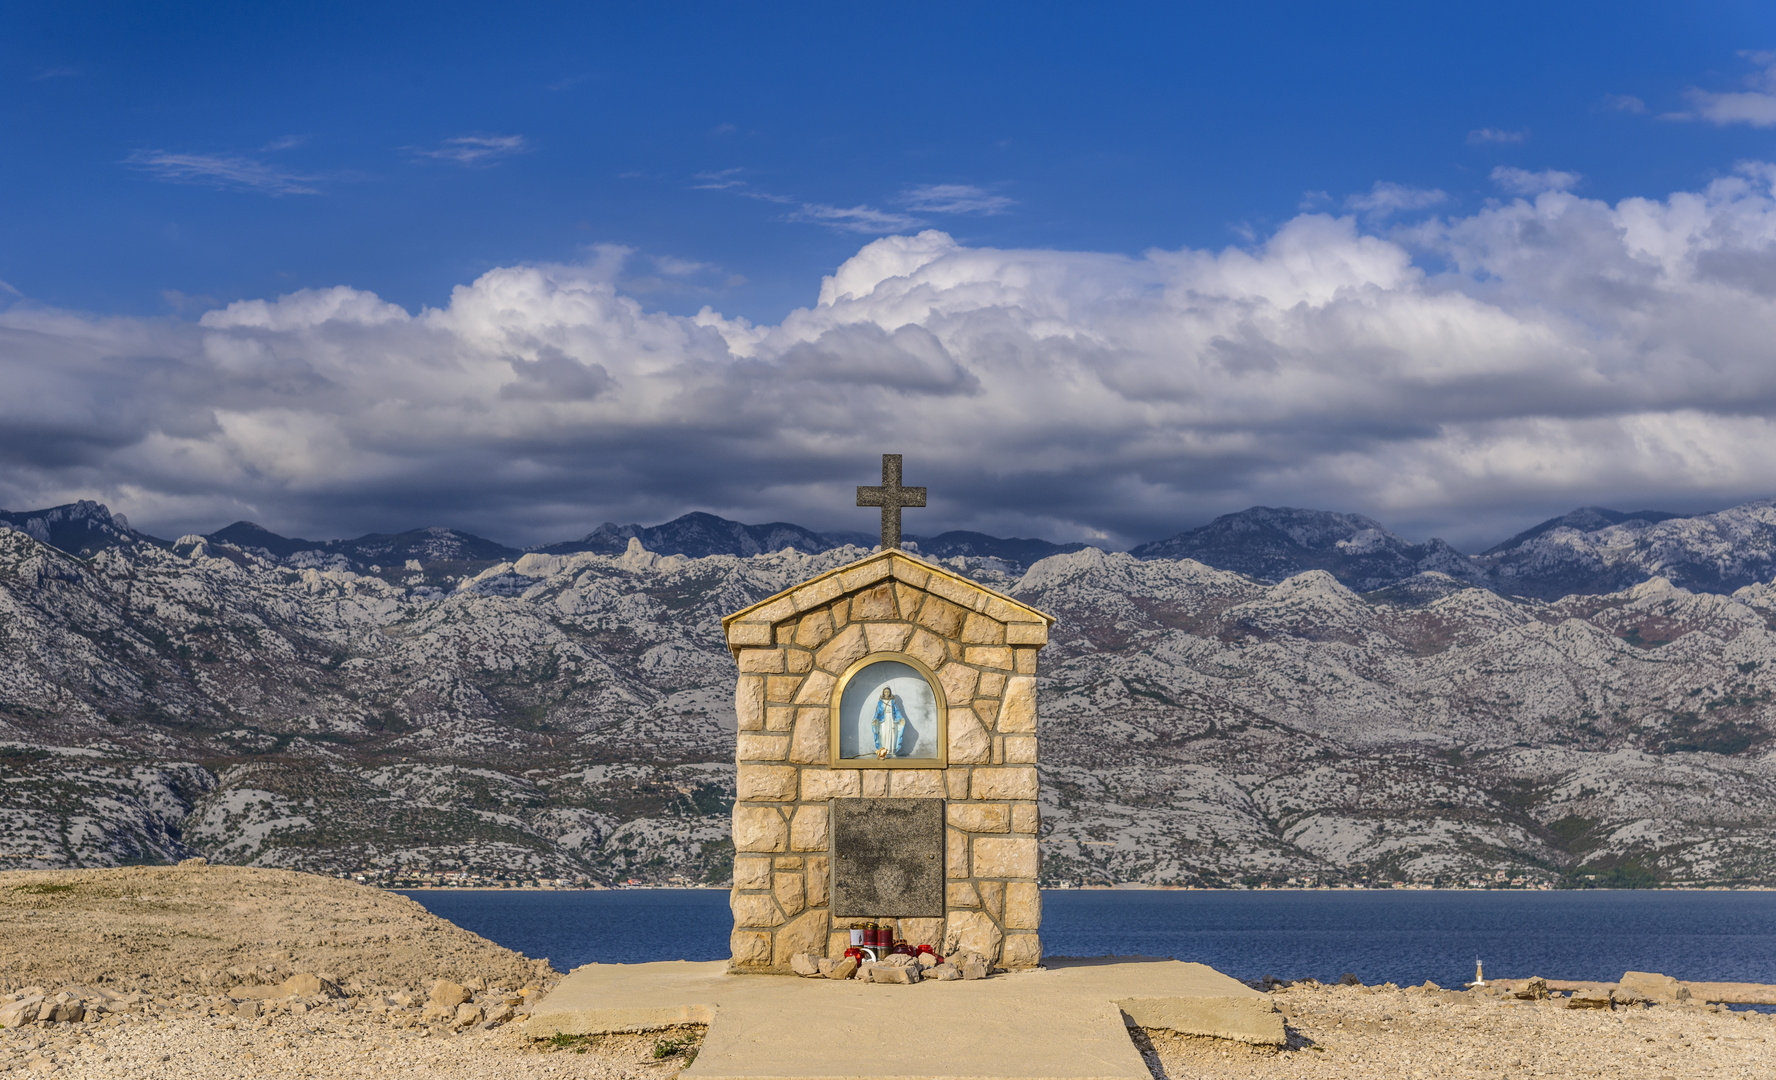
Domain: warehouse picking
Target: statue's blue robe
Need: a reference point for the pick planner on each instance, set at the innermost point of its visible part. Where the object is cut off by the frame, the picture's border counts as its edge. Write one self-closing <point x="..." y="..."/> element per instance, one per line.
<point x="898" y="717"/>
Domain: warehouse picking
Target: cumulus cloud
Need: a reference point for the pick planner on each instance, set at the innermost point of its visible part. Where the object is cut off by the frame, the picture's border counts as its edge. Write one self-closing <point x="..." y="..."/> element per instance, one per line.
<point x="954" y="199"/>
<point x="1482" y="136"/>
<point x="1526" y="358"/>
<point x="475" y="149"/>
<point x="222" y="171"/>
<point x="1524" y="182"/>
<point x="555" y="376"/>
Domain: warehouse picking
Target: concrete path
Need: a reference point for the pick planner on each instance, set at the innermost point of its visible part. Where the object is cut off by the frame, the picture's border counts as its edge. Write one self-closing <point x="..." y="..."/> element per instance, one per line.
<point x="1068" y="1022"/>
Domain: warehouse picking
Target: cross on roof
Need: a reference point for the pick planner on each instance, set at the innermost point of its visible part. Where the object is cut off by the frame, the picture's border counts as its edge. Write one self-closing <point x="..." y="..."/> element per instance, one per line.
<point x="891" y="497"/>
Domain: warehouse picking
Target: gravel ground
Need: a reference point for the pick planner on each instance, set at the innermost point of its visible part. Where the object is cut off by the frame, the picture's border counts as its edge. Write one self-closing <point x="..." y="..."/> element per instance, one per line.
<point x="200" y="970"/>
<point x="1343" y="1033"/>
<point x="168" y="930"/>
<point x="1349" y="1033"/>
<point x="338" y="1047"/>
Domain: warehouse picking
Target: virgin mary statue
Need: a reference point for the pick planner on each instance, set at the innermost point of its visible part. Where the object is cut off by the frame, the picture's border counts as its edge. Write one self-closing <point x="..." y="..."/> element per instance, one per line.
<point x="889" y="725"/>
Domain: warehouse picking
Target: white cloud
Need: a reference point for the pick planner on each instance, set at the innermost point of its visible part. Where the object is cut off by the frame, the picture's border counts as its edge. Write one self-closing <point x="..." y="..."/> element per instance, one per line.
<point x="1564" y="351"/>
<point x="475" y="149"/>
<point x="1627" y="103"/>
<point x="666" y="264"/>
<point x="1388" y="198"/>
<point x="1747" y="107"/>
<point x="222" y="171"/>
<point x="1755" y="106"/>
<point x="305" y="310"/>
<point x="718" y="181"/>
<point x="857" y="219"/>
<point x="861" y="218"/>
<point x="1482" y="136"/>
<point x="1524" y="182"/>
<point x="954" y="199"/>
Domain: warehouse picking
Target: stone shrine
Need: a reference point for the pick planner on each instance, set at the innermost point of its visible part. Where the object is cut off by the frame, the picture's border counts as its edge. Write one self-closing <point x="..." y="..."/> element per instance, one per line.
<point x="887" y="761"/>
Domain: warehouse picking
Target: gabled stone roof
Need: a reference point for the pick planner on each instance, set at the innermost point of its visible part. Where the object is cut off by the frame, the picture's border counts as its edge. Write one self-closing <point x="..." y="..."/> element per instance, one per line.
<point x="751" y="626"/>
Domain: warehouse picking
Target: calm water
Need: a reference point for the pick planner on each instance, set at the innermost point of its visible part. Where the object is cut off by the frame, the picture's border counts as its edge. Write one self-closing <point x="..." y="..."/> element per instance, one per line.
<point x="1405" y="937"/>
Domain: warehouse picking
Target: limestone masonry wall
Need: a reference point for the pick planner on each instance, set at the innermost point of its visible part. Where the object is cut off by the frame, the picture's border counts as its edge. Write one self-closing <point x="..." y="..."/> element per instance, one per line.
<point x="791" y="651"/>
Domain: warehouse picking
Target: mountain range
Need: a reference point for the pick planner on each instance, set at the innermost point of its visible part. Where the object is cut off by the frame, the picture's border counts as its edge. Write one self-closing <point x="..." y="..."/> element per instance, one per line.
<point x="1396" y="712"/>
<point x="1588" y="551"/>
<point x="86" y="528"/>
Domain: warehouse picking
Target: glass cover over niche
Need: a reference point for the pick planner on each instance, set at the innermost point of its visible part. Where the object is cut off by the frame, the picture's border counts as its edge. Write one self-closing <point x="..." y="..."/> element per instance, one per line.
<point x="888" y="711"/>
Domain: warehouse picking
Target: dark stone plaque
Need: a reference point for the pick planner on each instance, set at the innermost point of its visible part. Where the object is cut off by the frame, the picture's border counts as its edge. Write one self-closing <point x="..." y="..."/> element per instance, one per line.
<point x="888" y="858"/>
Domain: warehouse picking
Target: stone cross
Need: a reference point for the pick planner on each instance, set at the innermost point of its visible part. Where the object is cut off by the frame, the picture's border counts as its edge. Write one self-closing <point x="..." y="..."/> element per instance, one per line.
<point x="891" y="497"/>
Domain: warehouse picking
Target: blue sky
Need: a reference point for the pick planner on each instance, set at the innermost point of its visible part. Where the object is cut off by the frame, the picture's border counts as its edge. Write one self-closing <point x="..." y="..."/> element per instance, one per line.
<point x="229" y="151"/>
<point x="164" y="163"/>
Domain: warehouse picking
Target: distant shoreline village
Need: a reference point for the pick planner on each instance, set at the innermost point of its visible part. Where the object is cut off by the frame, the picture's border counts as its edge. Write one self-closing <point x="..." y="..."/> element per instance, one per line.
<point x="427" y="885"/>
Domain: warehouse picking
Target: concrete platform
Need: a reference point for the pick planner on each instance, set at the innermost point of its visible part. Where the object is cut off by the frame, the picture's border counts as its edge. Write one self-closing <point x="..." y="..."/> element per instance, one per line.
<point x="1068" y="1021"/>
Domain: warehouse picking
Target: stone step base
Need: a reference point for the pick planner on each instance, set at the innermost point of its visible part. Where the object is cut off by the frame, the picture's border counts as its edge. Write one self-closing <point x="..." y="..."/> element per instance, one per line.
<point x="1067" y="1021"/>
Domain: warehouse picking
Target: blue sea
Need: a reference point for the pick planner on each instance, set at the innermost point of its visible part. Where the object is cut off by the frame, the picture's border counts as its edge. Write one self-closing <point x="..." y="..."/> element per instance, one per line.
<point x="1404" y="937"/>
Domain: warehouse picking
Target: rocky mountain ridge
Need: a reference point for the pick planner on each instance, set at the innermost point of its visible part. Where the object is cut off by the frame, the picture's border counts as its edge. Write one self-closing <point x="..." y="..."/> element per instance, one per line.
<point x="1588" y="551"/>
<point x="441" y="554"/>
<point x="572" y="715"/>
<point x="82" y="528"/>
<point x="1272" y="543"/>
<point x="1717" y="552"/>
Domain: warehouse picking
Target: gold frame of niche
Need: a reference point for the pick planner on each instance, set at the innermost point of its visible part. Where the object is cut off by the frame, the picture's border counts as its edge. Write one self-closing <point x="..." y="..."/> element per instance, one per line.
<point x="942" y="758"/>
